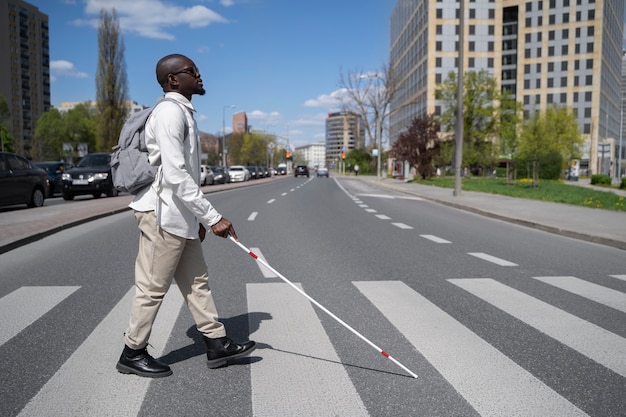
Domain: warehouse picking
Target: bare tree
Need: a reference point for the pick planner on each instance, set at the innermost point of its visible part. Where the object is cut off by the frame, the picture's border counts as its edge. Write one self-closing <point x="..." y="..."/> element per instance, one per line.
<point x="111" y="81"/>
<point x="369" y="95"/>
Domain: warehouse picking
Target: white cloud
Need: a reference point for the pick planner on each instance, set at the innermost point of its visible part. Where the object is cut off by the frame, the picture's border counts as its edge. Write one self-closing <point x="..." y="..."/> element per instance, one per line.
<point x="264" y="118"/>
<point x="332" y="100"/>
<point x="227" y="3"/>
<point x="150" y="18"/>
<point x="62" y="68"/>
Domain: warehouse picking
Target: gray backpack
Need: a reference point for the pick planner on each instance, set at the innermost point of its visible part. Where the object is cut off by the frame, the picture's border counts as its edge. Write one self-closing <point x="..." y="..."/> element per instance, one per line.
<point x="130" y="167"/>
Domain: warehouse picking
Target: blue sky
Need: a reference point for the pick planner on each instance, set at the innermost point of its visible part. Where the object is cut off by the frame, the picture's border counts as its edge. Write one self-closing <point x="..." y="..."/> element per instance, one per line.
<point x="277" y="60"/>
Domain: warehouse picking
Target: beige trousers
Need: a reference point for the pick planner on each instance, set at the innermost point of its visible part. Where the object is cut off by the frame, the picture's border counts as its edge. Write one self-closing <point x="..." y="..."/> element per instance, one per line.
<point x="161" y="258"/>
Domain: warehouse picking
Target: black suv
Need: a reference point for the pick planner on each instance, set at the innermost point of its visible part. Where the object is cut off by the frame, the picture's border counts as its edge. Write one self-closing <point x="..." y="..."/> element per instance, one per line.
<point x="91" y="175"/>
<point x="301" y="170"/>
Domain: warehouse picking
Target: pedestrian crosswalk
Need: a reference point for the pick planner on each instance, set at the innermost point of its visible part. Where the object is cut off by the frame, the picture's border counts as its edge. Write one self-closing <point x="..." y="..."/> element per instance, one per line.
<point x="300" y="372"/>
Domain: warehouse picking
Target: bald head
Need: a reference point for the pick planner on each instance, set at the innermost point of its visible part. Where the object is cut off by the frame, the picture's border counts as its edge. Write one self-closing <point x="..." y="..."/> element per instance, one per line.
<point x="167" y="65"/>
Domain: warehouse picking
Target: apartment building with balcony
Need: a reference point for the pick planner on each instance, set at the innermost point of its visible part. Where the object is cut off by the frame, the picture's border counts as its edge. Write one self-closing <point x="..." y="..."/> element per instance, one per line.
<point x="344" y="131"/>
<point x="545" y="52"/>
<point x="25" y="69"/>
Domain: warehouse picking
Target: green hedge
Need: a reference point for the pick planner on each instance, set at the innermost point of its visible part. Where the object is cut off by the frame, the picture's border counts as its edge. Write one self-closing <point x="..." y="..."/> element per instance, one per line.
<point x="600" y="179"/>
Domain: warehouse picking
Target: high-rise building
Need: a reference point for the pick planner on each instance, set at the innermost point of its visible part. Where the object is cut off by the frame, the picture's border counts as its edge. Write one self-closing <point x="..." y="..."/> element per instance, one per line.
<point x="25" y="69"/>
<point x="344" y="131"/>
<point x="240" y="122"/>
<point x="545" y="52"/>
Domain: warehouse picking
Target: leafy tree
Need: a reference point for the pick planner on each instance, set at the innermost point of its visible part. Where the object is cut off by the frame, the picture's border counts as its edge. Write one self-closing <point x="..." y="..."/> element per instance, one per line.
<point x="253" y="151"/>
<point x="551" y="136"/>
<point x="419" y="145"/>
<point x="111" y="82"/>
<point x="360" y="157"/>
<point x="6" y="140"/>
<point x="54" y="128"/>
<point x="481" y="116"/>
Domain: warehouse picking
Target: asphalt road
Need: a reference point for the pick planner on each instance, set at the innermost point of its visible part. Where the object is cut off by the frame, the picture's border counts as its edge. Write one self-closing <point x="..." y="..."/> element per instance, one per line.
<point x="495" y="319"/>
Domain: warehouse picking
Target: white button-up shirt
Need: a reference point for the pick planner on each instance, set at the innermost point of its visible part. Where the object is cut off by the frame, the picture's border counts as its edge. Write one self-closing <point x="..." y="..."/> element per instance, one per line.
<point x="173" y="143"/>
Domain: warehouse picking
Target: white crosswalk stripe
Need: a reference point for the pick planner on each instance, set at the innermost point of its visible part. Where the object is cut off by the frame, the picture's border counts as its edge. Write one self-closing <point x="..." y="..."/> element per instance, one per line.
<point x="25" y="305"/>
<point x="87" y="387"/>
<point x="492" y="383"/>
<point x="300" y="362"/>
<point x="599" y="344"/>
<point x="302" y="374"/>
<point x="607" y="296"/>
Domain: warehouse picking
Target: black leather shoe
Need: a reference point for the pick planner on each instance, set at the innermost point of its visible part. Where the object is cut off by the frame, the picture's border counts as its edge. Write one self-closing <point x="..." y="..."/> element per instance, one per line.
<point x="139" y="362"/>
<point x="221" y="349"/>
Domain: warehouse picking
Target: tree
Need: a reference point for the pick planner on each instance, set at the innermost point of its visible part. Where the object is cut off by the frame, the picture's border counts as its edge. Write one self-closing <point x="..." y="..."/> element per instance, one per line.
<point x="6" y="141"/>
<point x="552" y="132"/>
<point x="419" y="145"/>
<point x="481" y="117"/>
<point x="111" y="82"/>
<point x="369" y="95"/>
<point x="254" y="149"/>
<point x="53" y="129"/>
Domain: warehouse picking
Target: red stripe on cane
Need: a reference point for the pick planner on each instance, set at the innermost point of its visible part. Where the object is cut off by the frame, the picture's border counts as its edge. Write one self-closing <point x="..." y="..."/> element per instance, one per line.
<point x="385" y="354"/>
<point x="253" y="255"/>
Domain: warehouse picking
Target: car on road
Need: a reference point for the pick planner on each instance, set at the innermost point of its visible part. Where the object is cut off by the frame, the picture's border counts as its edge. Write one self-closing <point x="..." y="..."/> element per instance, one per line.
<point x="322" y="172"/>
<point x="281" y="170"/>
<point x="301" y="170"/>
<point x="238" y="173"/>
<point x="254" y="172"/>
<point x="91" y="175"/>
<point x="206" y="175"/>
<point x="220" y="175"/>
<point x="21" y="182"/>
<point x="55" y="170"/>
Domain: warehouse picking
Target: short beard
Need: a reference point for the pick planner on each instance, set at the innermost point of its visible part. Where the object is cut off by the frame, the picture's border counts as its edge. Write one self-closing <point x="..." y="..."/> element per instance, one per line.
<point x="200" y="91"/>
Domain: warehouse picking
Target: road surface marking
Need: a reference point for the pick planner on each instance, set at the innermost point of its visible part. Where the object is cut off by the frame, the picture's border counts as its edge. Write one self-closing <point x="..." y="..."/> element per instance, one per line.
<point x="24" y="306"/>
<point x="488" y="380"/>
<point x="598" y="344"/>
<point x="267" y="273"/>
<point x="402" y="226"/>
<point x="370" y="210"/>
<point x="383" y="217"/>
<point x="300" y="373"/>
<point x="88" y="384"/>
<point x="253" y="216"/>
<point x="622" y="277"/>
<point x="492" y="259"/>
<point x="598" y="293"/>
<point x="271" y="201"/>
<point x="435" y="239"/>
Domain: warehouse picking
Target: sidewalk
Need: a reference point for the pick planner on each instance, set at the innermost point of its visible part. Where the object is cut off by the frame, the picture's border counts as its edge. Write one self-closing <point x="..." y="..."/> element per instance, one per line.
<point x="593" y="225"/>
<point x="606" y="227"/>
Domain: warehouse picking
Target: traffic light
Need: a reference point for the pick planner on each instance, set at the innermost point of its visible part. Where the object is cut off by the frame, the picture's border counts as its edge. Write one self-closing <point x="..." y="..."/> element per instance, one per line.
<point x="287" y="155"/>
<point x="343" y="155"/>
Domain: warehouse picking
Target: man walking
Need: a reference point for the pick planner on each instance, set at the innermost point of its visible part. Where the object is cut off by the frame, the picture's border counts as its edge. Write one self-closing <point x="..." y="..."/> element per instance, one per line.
<point x="171" y="215"/>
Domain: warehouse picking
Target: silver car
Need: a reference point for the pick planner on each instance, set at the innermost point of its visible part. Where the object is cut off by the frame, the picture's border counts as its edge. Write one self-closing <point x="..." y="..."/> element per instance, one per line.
<point x="238" y="173"/>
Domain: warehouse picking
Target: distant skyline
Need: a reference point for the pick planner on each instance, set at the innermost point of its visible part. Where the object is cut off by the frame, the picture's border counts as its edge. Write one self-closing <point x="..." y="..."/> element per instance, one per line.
<point x="277" y="60"/>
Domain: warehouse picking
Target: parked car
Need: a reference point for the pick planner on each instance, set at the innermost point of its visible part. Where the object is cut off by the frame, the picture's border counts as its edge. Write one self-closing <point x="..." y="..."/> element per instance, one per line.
<point x="55" y="170"/>
<point x="322" y="172"/>
<point x="91" y="175"/>
<point x="220" y="175"/>
<point x="301" y="170"/>
<point x="21" y="182"/>
<point x="281" y="171"/>
<point x="238" y="173"/>
<point x="254" y="174"/>
<point x="206" y="175"/>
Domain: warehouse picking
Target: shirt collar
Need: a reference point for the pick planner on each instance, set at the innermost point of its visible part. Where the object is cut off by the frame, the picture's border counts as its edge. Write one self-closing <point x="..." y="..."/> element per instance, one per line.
<point x="173" y="95"/>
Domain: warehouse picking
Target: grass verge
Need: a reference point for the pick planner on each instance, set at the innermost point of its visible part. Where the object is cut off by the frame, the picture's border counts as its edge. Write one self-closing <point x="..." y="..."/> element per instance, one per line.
<point x="547" y="190"/>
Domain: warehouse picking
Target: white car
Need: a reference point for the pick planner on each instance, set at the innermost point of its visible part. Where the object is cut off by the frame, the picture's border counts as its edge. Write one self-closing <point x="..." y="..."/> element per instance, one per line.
<point x="238" y="173"/>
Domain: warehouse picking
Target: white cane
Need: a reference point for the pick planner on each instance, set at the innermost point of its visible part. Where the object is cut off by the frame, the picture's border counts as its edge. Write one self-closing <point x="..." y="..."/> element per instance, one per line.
<point x="324" y="309"/>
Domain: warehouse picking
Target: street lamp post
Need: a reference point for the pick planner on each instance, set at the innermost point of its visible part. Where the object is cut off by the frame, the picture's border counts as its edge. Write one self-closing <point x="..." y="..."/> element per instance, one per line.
<point x="232" y="106"/>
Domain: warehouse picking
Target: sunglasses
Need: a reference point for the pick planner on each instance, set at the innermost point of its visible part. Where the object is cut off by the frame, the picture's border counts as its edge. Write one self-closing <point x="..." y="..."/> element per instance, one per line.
<point x="193" y="71"/>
